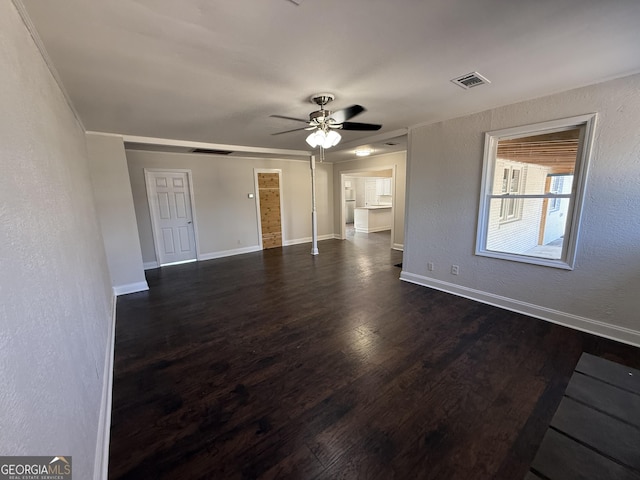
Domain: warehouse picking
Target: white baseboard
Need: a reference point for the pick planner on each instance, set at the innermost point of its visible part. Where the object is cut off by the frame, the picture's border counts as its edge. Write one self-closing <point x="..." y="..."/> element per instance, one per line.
<point x="298" y="241"/>
<point x="229" y="253"/>
<point x="596" y="327"/>
<point x="130" y="288"/>
<point x="101" y="463"/>
<point x="240" y="251"/>
<point x="372" y="230"/>
<point x="398" y="246"/>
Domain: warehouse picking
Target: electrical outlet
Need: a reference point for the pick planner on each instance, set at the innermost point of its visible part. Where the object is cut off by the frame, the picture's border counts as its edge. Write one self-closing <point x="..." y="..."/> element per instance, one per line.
<point x="430" y="266"/>
<point x="455" y="269"/>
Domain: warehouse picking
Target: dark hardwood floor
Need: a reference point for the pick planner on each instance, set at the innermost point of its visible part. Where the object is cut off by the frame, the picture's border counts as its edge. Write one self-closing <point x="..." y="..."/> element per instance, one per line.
<point x="279" y="364"/>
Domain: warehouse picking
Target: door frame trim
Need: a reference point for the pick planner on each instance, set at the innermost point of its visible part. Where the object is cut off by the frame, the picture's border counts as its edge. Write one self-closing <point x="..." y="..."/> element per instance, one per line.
<point x="256" y="171"/>
<point x="150" y="202"/>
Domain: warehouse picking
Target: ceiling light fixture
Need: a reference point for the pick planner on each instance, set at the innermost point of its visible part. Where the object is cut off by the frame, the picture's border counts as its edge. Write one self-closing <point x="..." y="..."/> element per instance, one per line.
<point x="324" y="139"/>
<point x="363" y="152"/>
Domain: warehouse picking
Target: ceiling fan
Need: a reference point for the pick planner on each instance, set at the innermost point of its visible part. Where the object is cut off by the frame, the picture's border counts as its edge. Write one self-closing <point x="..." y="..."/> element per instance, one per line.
<point x="324" y="123"/>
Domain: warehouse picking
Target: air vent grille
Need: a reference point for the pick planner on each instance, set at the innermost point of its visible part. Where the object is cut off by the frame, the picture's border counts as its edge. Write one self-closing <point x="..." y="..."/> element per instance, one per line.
<point x="210" y="151"/>
<point x="470" y="80"/>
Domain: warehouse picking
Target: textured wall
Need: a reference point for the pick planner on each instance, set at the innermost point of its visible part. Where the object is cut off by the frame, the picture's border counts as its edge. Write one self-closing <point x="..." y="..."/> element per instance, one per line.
<point x="444" y="172"/>
<point x="399" y="160"/>
<point x="56" y="295"/>
<point x="114" y="204"/>
<point x="226" y="218"/>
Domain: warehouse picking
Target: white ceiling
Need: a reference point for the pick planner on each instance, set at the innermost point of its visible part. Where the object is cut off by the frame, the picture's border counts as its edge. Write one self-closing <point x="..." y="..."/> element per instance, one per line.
<point x="213" y="71"/>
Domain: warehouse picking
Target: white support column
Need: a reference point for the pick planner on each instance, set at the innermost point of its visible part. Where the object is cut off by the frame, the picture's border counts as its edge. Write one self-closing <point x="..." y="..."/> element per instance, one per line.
<point x="314" y="219"/>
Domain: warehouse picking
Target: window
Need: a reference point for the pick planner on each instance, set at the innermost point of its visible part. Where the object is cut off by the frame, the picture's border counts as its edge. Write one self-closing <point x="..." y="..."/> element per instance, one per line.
<point x="557" y="183"/>
<point x="511" y="208"/>
<point x="533" y="185"/>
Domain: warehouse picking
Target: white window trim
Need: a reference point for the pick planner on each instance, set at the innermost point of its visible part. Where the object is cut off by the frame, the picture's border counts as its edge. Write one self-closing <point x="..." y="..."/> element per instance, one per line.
<point x="569" y="250"/>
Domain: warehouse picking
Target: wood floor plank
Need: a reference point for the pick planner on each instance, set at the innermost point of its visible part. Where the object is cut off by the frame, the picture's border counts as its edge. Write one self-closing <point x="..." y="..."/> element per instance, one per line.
<point x="561" y="458"/>
<point x="482" y="443"/>
<point x="599" y="431"/>
<point x="280" y="364"/>
<point x="300" y="464"/>
<point x="398" y="408"/>
<point x="611" y="400"/>
<point x="610" y="372"/>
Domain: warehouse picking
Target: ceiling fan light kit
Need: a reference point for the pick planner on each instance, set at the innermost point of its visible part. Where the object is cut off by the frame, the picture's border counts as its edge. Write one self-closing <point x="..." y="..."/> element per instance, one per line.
<point x="323" y="139"/>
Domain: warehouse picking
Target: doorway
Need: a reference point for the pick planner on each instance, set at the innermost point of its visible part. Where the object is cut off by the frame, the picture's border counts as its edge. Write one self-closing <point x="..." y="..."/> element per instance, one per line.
<point x="170" y="199"/>
<point x="371" y="189"/>
<point x="269" y="207"/>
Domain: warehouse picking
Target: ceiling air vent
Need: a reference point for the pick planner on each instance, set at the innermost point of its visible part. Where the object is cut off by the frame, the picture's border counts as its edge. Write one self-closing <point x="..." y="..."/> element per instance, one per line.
<point x="391" y="144"/>
<point x="210" y="151"/>
<point x="470" y="80"/>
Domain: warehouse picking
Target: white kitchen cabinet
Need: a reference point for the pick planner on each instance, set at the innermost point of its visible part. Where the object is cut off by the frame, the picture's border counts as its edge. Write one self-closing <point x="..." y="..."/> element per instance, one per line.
<point x="383" y="186"/>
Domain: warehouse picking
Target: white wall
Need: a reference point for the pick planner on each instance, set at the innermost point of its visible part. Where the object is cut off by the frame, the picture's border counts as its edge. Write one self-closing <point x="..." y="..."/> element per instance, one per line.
<point x="114" y="204"/>
<point x="56" y="307"/>
<point x="226" y="218"/>
<point x="444" y="172"/>
<point x="369" y="166"/>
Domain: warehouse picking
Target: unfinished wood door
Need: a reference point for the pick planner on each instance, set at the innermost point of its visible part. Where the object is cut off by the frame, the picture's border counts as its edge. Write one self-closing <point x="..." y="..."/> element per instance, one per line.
<point x="270" y="215"/>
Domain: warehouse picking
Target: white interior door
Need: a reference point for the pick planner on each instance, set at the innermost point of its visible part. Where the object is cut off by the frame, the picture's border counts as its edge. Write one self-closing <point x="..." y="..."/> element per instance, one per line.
<point x="171" y="215"/>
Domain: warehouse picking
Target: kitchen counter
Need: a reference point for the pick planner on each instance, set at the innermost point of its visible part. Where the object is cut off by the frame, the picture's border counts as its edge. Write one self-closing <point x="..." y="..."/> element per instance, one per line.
<point x="373" y="207"/>
<point x="373" y="218"/>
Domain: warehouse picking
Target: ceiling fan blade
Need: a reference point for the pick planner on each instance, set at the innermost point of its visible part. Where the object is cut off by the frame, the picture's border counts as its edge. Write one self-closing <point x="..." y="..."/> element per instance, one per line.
<point x="294" y="130"/>
<point x="341" y="116"/>
<point x="290" y="118"/>
<point x="360" y="126"/>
